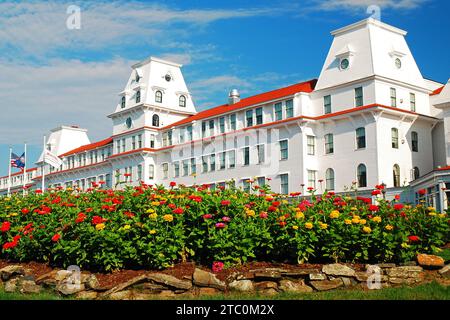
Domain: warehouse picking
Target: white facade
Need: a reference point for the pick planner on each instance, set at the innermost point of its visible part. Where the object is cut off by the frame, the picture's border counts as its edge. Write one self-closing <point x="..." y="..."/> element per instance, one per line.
<point x="369" y="118"/>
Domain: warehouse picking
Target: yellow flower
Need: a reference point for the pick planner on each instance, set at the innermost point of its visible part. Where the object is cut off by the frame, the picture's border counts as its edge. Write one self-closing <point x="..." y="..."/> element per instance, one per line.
<point x="250" y="213"/>
<point x="389" y="227"/>
<point x="362" y="221"/>
<point x="442" y="215"/>
<point x="126" y="227"/>
<point x="100" y="226"/>
<point x="367" y="230"/>
<point x="14" y="214"/>
<point x="282" y="218"/>
<point x="376" y="219"/>
<point x="153" y="231"/>
<point x="348" y="221"/>
<point x="308" y="225"/>
<point x="432" y="213"/>
<point x="150" y="211"/>
<point x="299" y="215"/>
<point x="355" y="220"/>
<point x="284" y="201"/>
<point x="168" y="217"/>
<point x="297" y="209"/>
<point x="405" y="245"/>
<point x="295" y="227"/>
<point x="155" y="203"/>
<point x="431" y="209"/>
<point x="153" y="215"/>
<point x="323" y="225"/>
<point x="354" y="208"/>
<point x="334" y="214"/>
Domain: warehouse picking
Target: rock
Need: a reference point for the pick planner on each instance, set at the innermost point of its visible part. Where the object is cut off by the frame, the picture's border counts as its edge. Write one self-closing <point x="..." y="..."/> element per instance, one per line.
<point x="337" y="269"/>
<point x="275" y="270"/>
<point x="62" y="275"/>
<point x="143" y="296"/>
<point x="363" y="276"/>
<point x="149" y="286"/>
<point x="327" y="284"/>
<point x="123" y="286"/>
<point x="428" y="260"/>
<point x="300" y="273"/>
<point x="405" y="275"/>
<point x="408" y="264"/>
<point x="121" y="295"/>
<point x="269" y="292"/>
<point x="28" y="286"/>
<point x="206" y="279"/>
<point x="11" y="271"/>
<point x="11" y="285"/>
<point x="241" y="285"/>
<point x="166" y="294"/>
<point x="244" y="276"/>
<point x="291" y="286"/>
<point x="268" y="274"/>
<point x="170" y="281"/>
<point x="48" y="279"/>
<point x="264" y="285"/>
<point x="317" y="276"/>
<point x="91" y="282"/>
<point x="348" y="282"/>
<point x="87" y="295"/>
<point x="69" y="288"/>
<point x="207" y="291"/>
<point x="445" y="271"/>
<point x="382" y="265"/>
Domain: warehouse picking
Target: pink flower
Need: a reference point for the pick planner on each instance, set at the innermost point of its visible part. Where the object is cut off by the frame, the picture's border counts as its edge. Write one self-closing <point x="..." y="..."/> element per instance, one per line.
<point x="226" y="219"/>
<point x="263" y="215"/>
<point x="217" y="266"/>
<point x="220" y="225"/>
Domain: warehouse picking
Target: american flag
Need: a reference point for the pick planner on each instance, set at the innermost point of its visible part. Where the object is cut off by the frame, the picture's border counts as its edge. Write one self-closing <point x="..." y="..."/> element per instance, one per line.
<point x="18" y="162"/>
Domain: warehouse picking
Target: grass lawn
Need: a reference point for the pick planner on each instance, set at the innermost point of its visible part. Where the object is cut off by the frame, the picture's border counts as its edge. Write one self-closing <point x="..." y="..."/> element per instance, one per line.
<point x="430" y="291"/>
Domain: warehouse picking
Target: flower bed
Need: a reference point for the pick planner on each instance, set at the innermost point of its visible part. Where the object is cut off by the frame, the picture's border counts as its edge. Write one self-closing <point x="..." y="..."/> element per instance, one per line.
<point x="153" y="227"/>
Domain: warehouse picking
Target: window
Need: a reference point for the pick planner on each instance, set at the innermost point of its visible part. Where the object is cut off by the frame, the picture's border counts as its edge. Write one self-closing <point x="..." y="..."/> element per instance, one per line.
<point x="158" y="96"/>
<point x="359" y="97"/>
<point x="137" y="77"/>
<point x="151" y="171"/>
<point x="222" y="160"/>
<point x="185" y="168"/>
<point x="412" y="101"/>
<point x="312" y="179"/>
<point x="261" y="181"/>
<point x="246" y="185"/>
<point x="133" y="142"/>
<point x="138" y="96"/>
<point x="165" y="170"/>
<point x="249" y="117"/>
<point x="152" y="141"/>
<point x="284" y="152"/>
<point x="360" y="138"/>
<point x="212" y="163"/>
<point x="289" y="108"/>
<point x="231" y="159"/>
<point x="204" y="164"/>
<point x="222" y="124"/>
<point x="278" y="111"/>
<point x="284" y="183"/>
<point x="203" y="129"/>
<point x="123" y="147"/>
<point x="362" y="175"/>
<point x="396" y="175"/>
<point x="164" y="139"/>
<point x="193" y="166"/>
<point x="394" y="135"/>
<point x="416" y="173"/>
<point x="327" y="104"/>
<point x="182" y="101"/>
<point x="259" y="115"/>
<point x="189" y="133"/>
<point x="169" y="137"/>
<point x="329" y="179"/>
<point x="139" y="172"/>
<point x="414" y="141"/>
<point x="246" y="154"/>
<point x="122" y="103"/>
<point x="393" y="97"/>
<point x="329" y="143"/>
<point x="311" y="145"/>
<point x="155" y="120"/>
<point x="260" y="149"/>
<point x="176" y="169"/>
<point x="211" y="128"/>
<point x="233" y="121"/>
<point x="181" y="135"/>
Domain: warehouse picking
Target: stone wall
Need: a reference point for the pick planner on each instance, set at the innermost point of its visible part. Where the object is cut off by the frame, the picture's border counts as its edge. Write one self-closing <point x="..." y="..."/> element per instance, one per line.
<point x="266" y="281"/>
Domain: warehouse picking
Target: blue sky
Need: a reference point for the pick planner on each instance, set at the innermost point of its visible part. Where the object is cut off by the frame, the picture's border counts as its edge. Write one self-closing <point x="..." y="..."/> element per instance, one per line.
<point x="50" y="75"/>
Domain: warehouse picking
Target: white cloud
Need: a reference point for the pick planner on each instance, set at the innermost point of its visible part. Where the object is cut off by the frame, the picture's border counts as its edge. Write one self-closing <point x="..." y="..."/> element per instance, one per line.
<point x="363" y="4"/>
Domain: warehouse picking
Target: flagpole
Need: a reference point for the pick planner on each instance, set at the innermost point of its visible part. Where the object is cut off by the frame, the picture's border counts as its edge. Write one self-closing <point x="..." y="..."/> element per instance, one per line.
<point x="9" y="172"/>
<point x="25" y="168"/>
<point x="43" y="167"/>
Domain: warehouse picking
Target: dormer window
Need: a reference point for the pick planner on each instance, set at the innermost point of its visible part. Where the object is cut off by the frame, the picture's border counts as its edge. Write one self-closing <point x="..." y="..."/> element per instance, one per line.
<point x="138" y="96"/>
<point x="344" y="63"/>
<point x="344" y="57"/>
<point x="168" y="77"/>
<point x="398" y="63"/>
<point x="182" y="101"/>
<point x="122" y="103"/>
<point x="158" y="96"/>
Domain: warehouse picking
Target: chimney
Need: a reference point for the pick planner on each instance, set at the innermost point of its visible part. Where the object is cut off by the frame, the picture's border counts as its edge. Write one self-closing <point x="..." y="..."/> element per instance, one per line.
<point x="234" y="97"/>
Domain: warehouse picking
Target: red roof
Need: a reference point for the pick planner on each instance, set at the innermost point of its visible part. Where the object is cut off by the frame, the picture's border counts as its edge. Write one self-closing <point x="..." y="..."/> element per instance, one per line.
<point x="19" y="173"/>
<point x="307" y="86"/>
<point x="437" y="91"/>
<point x="87" y="147"/>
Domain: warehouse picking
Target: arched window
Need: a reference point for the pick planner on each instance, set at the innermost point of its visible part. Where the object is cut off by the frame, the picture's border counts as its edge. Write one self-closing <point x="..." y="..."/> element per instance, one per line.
<point x="329" y="179"/>
<point x="138" y="96"/>
<point x="396" y="175"/>
<point x="394" y="135"/>
<point x="416" y="173"/>
<point x="158" y="96"/>
<point x="155" y="120"/>
<point x="122" y="103"/>
<point x="182" y="101"/>
<point x="414" y="141"/>
<point x="362" y="176"/>
<point x="360" y="138"/>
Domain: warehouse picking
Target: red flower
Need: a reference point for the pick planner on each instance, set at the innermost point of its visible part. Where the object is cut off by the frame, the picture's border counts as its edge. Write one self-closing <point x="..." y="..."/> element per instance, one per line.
<point x="398" y="206"/>
<point x="225" y="202"/>
<point x="129" y="214"/>
<point x="171" y="206"/>
<point x="25" y="211"/>
<point x="373" y="208"/>
<point x="397" y="197"/>
<point x="207" y="216"/>
<point x="178" y="210"/>
<point x="376" y="192"/>
<point x="5" y="226"/>
<point x="56" y="237"/>
<point x="282" y="223"/>
<point x="413" y="238"/>
<point x="97" y="220"/>
<point x="80" y="218"/>
<point x="263" y="215"/>
<point x="422" y="192"/>
<point x="226" y="219"/>
<point x="217" y="266"/>
<point x="173" y="184"/>
<point x="272" y="208"/>
<point x="38" y="191"/>
<point x="127" y="175"/>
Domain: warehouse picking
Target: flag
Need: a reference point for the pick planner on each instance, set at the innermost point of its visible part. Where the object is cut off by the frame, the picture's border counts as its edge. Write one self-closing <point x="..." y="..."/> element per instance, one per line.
<point x="18" y="162"/>
<point x="52" y="159"/>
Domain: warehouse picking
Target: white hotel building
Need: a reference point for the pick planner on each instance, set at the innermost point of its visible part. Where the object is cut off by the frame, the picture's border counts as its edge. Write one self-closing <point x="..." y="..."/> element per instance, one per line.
<point x="370" y="117"/>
